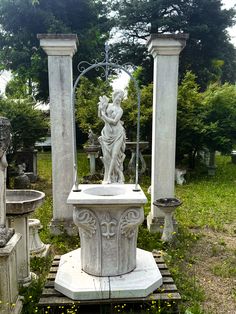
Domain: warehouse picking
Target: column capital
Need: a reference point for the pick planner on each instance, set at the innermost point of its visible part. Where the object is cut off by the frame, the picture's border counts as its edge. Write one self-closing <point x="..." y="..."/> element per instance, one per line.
<point x="58" y="44"/>
<point x="166" y="44"/>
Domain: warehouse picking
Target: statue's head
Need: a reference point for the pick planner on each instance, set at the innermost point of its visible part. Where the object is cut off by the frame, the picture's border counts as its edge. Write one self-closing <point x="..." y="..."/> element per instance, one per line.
<point x="118" y="94"/>
<point x="5" y="135"/>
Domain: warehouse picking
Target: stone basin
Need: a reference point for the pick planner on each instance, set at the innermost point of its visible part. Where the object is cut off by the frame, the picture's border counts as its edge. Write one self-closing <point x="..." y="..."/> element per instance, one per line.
<point x="105" y="190"/>
<point x="94" y="194"/>
<point x="23" y="201"/>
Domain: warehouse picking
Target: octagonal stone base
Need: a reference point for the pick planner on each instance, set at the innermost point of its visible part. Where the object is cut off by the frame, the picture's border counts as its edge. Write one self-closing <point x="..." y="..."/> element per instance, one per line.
<point x="76" y="284"/>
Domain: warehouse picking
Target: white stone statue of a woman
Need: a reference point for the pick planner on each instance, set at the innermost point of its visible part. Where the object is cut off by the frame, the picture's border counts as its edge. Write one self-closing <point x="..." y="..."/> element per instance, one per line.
<point x="5" y="139"/>
<point x="112" y="137"/>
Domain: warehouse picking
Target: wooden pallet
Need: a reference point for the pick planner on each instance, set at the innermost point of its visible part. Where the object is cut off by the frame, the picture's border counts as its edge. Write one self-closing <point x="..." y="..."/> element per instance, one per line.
<point x="51" y="298"/>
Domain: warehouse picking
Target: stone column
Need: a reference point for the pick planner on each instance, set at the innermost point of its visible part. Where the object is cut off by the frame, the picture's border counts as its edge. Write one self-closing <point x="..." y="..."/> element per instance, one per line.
<point x="9" y="299"/>
<point x="165" y="49"/>
<point x="60" y="48"/>
<point x="5" y="139"/>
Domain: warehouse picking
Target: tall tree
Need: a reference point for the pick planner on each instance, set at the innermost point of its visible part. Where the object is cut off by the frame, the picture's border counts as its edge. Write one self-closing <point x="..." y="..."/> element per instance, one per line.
<point x="205" y="21"/>
<point x="29" y="124"/>
<point x="22" y="20"/>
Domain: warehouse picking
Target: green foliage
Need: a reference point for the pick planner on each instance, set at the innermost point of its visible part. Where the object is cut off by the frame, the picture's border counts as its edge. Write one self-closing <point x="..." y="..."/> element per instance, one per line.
<point x="148" y="241"/>
<point x="205" y="21"/>
<point x="22" y="20"/>
<point x="28" y="123"/>
<point x="220" y="121"/>
<point x="17" y="88"/>
<point x="190" y="119"/>
<point x="226" y="268"/>
<point x="88" y="94"/>
<point x="130" y="108"/>
<point x="205" y="119"/>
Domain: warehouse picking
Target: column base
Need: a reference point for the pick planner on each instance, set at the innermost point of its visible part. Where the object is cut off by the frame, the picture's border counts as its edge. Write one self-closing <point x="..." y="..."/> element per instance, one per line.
<point x="60" y="226"/>
<point x="18" y="306"/>
<point x="76" y="284"/>
<point x="156" y="224"/>
<point x="28" y="280"/>
<point x="44" y="252"/>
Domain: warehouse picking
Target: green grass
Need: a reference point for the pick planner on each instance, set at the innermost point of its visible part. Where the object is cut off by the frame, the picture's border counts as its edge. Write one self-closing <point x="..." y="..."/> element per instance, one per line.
<point x="207" y="201"/>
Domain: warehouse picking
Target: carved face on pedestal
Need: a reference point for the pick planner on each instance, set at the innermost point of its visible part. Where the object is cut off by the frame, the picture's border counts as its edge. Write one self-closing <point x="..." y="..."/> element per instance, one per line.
<point x="5" y="135"/>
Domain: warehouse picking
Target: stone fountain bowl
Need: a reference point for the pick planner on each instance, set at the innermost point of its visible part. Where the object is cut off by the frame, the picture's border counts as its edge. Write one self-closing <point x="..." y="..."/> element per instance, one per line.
<point x="19" y="202"/>
<point x="167" y="202"/>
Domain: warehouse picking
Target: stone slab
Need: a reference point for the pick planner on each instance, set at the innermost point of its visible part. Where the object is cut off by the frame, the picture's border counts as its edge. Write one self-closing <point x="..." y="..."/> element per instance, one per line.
<point x="73" y="282"/>
<point x="107" y="194"/>
<point x="78" y="285"/>
<point x="141" y="282"/>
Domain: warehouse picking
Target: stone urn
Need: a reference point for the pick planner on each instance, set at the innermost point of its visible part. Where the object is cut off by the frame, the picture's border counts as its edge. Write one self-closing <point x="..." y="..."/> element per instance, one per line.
<point x="167" y="206"/>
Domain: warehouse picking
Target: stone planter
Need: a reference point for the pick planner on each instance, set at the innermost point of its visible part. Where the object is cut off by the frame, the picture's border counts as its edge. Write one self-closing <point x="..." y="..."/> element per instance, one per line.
<point x="167" y="206"/>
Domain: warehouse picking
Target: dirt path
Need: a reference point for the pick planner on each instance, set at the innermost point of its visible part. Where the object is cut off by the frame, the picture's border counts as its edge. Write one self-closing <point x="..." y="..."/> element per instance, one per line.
<point x="215" y="269"/>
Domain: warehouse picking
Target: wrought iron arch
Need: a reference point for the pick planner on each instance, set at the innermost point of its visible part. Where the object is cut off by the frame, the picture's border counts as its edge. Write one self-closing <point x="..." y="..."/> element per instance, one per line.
<point x="106" y="66"/>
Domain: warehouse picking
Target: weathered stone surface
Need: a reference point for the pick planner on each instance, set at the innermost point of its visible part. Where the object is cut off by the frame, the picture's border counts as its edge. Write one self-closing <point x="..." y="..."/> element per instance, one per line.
<point x="22" y="182"/>
<point x="5" y="235"/>
<point x="5" y="138"/>
<point x="165" y="50"/>
<point x="36" y="246"/>
<point x="10" y="301"/>
<point x="168" y="206"/>
<point x="20" y="204"/>
<point x="60" y="48"/>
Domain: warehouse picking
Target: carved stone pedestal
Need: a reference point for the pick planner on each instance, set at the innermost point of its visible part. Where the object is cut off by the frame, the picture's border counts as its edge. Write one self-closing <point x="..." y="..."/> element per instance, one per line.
<point x="108" y="217"/>
<point x="20" y="204"/>
<point x="92" y="152"/>
<point x="168" y="206"/>
<point x="10" y="300"/>
<point x="36" y="246"/>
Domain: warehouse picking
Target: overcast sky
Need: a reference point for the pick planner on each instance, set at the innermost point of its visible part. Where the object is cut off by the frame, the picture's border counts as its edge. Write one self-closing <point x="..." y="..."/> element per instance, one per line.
<point x="5" y="76"/>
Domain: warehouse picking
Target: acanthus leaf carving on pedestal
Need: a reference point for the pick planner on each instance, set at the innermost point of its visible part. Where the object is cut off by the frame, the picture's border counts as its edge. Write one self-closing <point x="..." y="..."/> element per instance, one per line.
<point x="129" y="222"/>
<point x="86" y="220"/>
